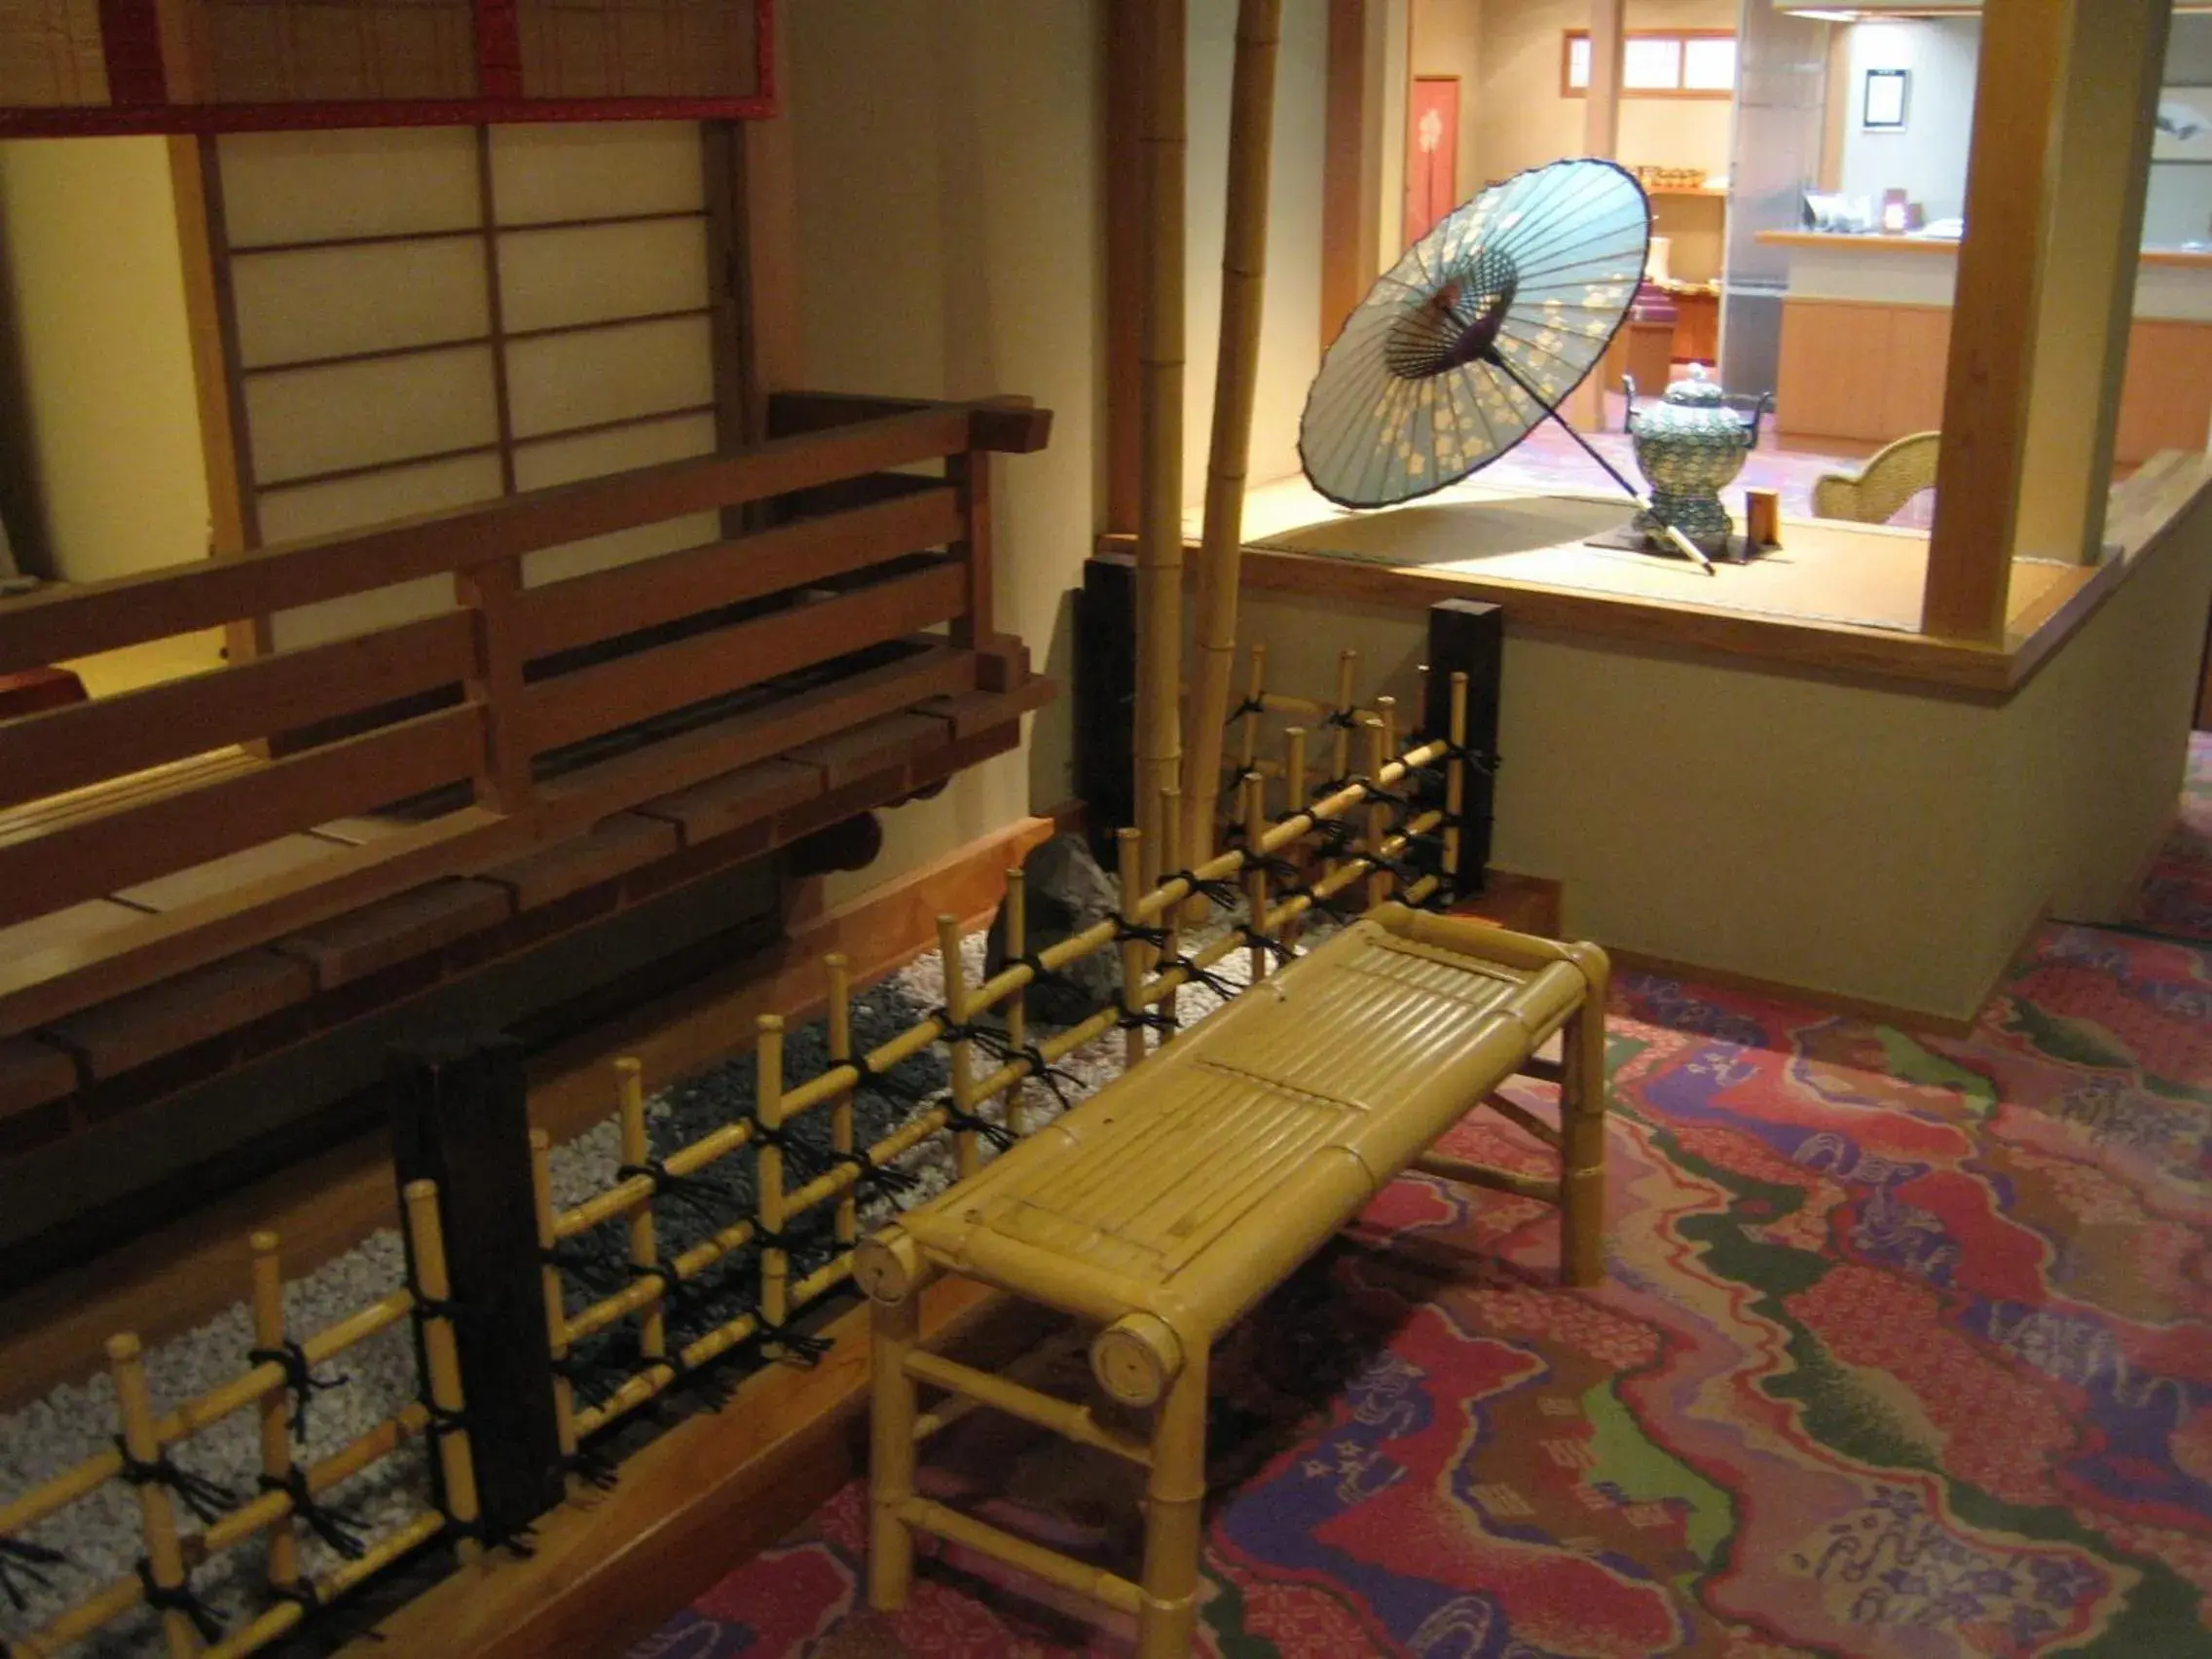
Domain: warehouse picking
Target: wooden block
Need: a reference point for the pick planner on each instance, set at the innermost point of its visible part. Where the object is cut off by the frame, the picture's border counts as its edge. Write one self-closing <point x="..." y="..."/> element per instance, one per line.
<point x="868" y="748"/>
<point x="208" y="1002"/>
<point x="218" y="877"/>
<point x="33" y="1075"/>
<point x="393" y="929"/>
<point x="610" y="848"/>
<point x="71" y="925"/>
<point x="736" y="798"/>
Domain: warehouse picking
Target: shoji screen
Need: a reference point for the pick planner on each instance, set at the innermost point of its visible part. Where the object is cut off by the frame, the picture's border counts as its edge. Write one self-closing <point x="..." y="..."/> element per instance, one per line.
<point x="423" y="318"/>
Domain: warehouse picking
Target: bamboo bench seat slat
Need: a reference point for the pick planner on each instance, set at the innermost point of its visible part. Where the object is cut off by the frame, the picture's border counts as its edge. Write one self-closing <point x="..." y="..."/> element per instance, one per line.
<point x="1167" y="1206"/>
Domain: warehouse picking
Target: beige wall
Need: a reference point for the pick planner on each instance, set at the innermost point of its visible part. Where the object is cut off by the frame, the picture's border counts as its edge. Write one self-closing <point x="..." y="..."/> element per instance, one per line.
<point x="1448" y="40"/>
<point x="103" y="471"/>
<point x="1847" y="840"/>
<point x="950" y="210"/>
<point x="1290" y="353"/>
<point x="1522" y="119"/>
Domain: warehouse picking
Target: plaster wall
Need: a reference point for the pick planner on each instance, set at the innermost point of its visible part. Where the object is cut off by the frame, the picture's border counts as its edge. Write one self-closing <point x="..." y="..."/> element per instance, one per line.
<point x="1448" y="40"/>
<point x="1522" y="119"/>
<point x="101" y="468"/>
<point x="950" y="158"/>
<point x="1927" y="158"/>
<point x="1847" y="840"/>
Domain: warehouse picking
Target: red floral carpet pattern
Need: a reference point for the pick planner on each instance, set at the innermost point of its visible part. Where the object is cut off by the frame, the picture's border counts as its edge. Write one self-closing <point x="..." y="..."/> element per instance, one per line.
<point x="1905" y="1350"/>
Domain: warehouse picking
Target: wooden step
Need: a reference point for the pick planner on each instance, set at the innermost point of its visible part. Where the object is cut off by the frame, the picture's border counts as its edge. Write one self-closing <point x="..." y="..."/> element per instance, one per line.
<point x="610" y="848"/>
<point x="396" y="930"/>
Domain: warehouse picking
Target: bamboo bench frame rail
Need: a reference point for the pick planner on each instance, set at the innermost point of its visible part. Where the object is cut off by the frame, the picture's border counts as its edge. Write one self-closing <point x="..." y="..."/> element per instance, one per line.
<point x="524" y="714"/>
<point x="289" y="1490"/>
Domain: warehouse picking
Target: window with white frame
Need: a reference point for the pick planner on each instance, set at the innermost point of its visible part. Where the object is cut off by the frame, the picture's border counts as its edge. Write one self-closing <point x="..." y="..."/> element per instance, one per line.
<point x="1658" y="63"/>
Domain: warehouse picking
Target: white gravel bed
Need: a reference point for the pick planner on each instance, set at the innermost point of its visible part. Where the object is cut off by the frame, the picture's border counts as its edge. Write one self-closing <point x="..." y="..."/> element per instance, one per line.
<point x="99" y="1536"/>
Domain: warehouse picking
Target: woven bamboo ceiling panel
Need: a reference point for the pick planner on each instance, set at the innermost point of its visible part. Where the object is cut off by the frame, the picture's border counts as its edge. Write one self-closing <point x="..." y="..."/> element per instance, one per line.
<point x="91" y="67"/>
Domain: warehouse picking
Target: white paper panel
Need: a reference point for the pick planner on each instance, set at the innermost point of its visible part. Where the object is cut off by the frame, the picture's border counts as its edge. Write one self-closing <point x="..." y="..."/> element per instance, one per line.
<point x="335" y="301"/>
<point x="595" y="169"/>
<point x="311" y="421"/>
<point x="563" y="460"/>
<point x="575" y="380"/>
<point x="549" y="278"/>
<point x="286" y="187"/>
<point x="352" y="503"/>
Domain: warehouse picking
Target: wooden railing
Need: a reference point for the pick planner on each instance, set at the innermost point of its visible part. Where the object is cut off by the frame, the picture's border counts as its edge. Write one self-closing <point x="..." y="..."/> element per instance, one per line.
<point x="517" y="701"/>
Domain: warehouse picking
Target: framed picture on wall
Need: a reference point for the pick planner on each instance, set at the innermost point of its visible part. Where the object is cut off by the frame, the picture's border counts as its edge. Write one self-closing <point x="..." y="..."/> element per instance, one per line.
<point x="1882" y="110"/>
<point x="2184" y="125"/>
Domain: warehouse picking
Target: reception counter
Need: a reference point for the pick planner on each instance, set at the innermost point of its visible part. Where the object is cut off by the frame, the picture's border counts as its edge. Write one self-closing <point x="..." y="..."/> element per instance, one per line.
<point x="1866" y="329"/>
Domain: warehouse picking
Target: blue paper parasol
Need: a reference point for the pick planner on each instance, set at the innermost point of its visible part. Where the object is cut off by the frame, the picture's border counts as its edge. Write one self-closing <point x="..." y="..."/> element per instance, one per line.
<point x="1478" y="333"/>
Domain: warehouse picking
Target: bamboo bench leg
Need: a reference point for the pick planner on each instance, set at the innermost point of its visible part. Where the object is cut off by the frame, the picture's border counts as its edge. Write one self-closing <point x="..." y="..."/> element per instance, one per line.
<point x="892" y="1329"/>
<point x="1582" y="1099"/>
<point x="1174" y="1520"/>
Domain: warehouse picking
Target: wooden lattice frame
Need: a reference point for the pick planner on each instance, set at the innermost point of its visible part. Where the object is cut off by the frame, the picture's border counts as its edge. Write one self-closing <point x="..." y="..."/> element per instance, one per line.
<point x="141" y="89"/>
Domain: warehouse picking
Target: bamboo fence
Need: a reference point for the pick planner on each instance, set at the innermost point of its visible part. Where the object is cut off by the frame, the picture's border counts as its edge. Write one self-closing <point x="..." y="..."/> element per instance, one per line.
<point x="277" y="1387"/>
<point x="1340" y="842"/>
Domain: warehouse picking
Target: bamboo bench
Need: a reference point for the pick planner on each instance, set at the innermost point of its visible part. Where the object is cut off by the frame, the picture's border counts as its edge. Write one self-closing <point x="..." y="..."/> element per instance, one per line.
<point x="1166" y="1206"/>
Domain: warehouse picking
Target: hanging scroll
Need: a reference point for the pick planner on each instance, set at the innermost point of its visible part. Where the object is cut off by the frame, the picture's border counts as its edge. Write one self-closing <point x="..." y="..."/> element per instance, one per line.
<point x="110" y="67"/>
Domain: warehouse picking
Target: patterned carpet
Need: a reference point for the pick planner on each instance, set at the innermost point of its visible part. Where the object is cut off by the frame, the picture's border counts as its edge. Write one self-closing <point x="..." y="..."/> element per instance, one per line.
<point x="1905" y="1351"/>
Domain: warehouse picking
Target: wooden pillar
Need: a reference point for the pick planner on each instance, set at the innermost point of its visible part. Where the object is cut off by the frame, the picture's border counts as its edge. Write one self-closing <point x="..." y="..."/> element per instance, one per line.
<point x="2054" y="208"/>
<point x="1348" y="251"/>
<point x="1601" y="109"/>
<point x="757" y="160"/>
<point x="1601" y="136"/>
<point x="2100" y="170"/>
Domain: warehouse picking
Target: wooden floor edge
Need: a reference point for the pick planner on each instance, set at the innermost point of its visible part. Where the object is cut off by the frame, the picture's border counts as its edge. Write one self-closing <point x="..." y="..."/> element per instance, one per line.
<point x="169" y="1280"/>
<point x="1884" y="1014"/>
<point x="607" y="1568"/>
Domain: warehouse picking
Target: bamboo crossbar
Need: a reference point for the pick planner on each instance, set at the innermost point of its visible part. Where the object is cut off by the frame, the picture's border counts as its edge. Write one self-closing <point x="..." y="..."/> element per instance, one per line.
<point x="1065" y="1417"/>
<point x="1094" y="1582"/>
<point x="1484" y="1175"/>
<point x="200" y="1413"/>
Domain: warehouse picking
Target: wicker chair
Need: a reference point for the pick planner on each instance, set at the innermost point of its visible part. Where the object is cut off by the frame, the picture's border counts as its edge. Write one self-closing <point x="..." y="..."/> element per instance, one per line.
<point x="1892" y="477"/>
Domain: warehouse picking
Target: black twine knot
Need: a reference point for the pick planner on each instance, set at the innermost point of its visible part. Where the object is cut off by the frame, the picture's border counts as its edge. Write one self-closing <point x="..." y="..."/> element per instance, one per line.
<point x="23" y="1559"/>
<point x="1124" y="932"/>
<point x="881" y="1080"/>
<point x="206" y="1499"/>
<point x="179" y="1599"/>
<point x="1039" y="973"/>
<point x="882" y="1178"/>
<point x="798" y="1347"/>
<point x="802" y="1160"/>
<point x="696" y="1192"/>
<point x="596" y="1469"/>
<point x="299" y="1378"/>
<point x="1344" y="718"/>
<point x="340" y="1530"/>
<point x="1222" y="893"/>
<point x="997" y="1135"/>
<point x="1249" y="706"/>
<point x="1274" y="947"/>
<point x="1194" y="974"/>
<point x="301" y="1593"/>
<point x="1147" y="1019"/>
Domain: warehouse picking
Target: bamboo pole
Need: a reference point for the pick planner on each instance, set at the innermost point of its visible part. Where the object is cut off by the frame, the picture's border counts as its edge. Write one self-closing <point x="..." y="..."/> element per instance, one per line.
<point x="1255" y="706"/>
<point x="846" y="1223"/>
<point x="966" y="1158"/>
<point x="1017" y="1005"/>
<point x="1160" y="527"/>
<point x="768" y="1171"/>
<point x="275" y="1407"/>
<point x="442" y="1359"/>
<point x="1171" y="832"/>
<point x="1378" y="823"/>
<point x="1243" y="284"/>
<point x="645" y="1248"/>
<point x="549" y="1282"/>
<point x="1255" y="876"/>
<point x="1129" y="843"/>
<point x="1455" y="781"/>
<point x="157" y="1510"/>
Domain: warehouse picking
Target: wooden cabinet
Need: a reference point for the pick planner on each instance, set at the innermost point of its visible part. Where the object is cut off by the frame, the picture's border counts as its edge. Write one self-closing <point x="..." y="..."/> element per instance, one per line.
<point x="1867" y="372"/>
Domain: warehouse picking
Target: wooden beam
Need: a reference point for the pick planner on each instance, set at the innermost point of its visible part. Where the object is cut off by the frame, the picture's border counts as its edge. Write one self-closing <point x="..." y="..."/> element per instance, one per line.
<point x="1348" y="256"/>
<point x="1994" y="338"/>
<point x="2100" y="170"/>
